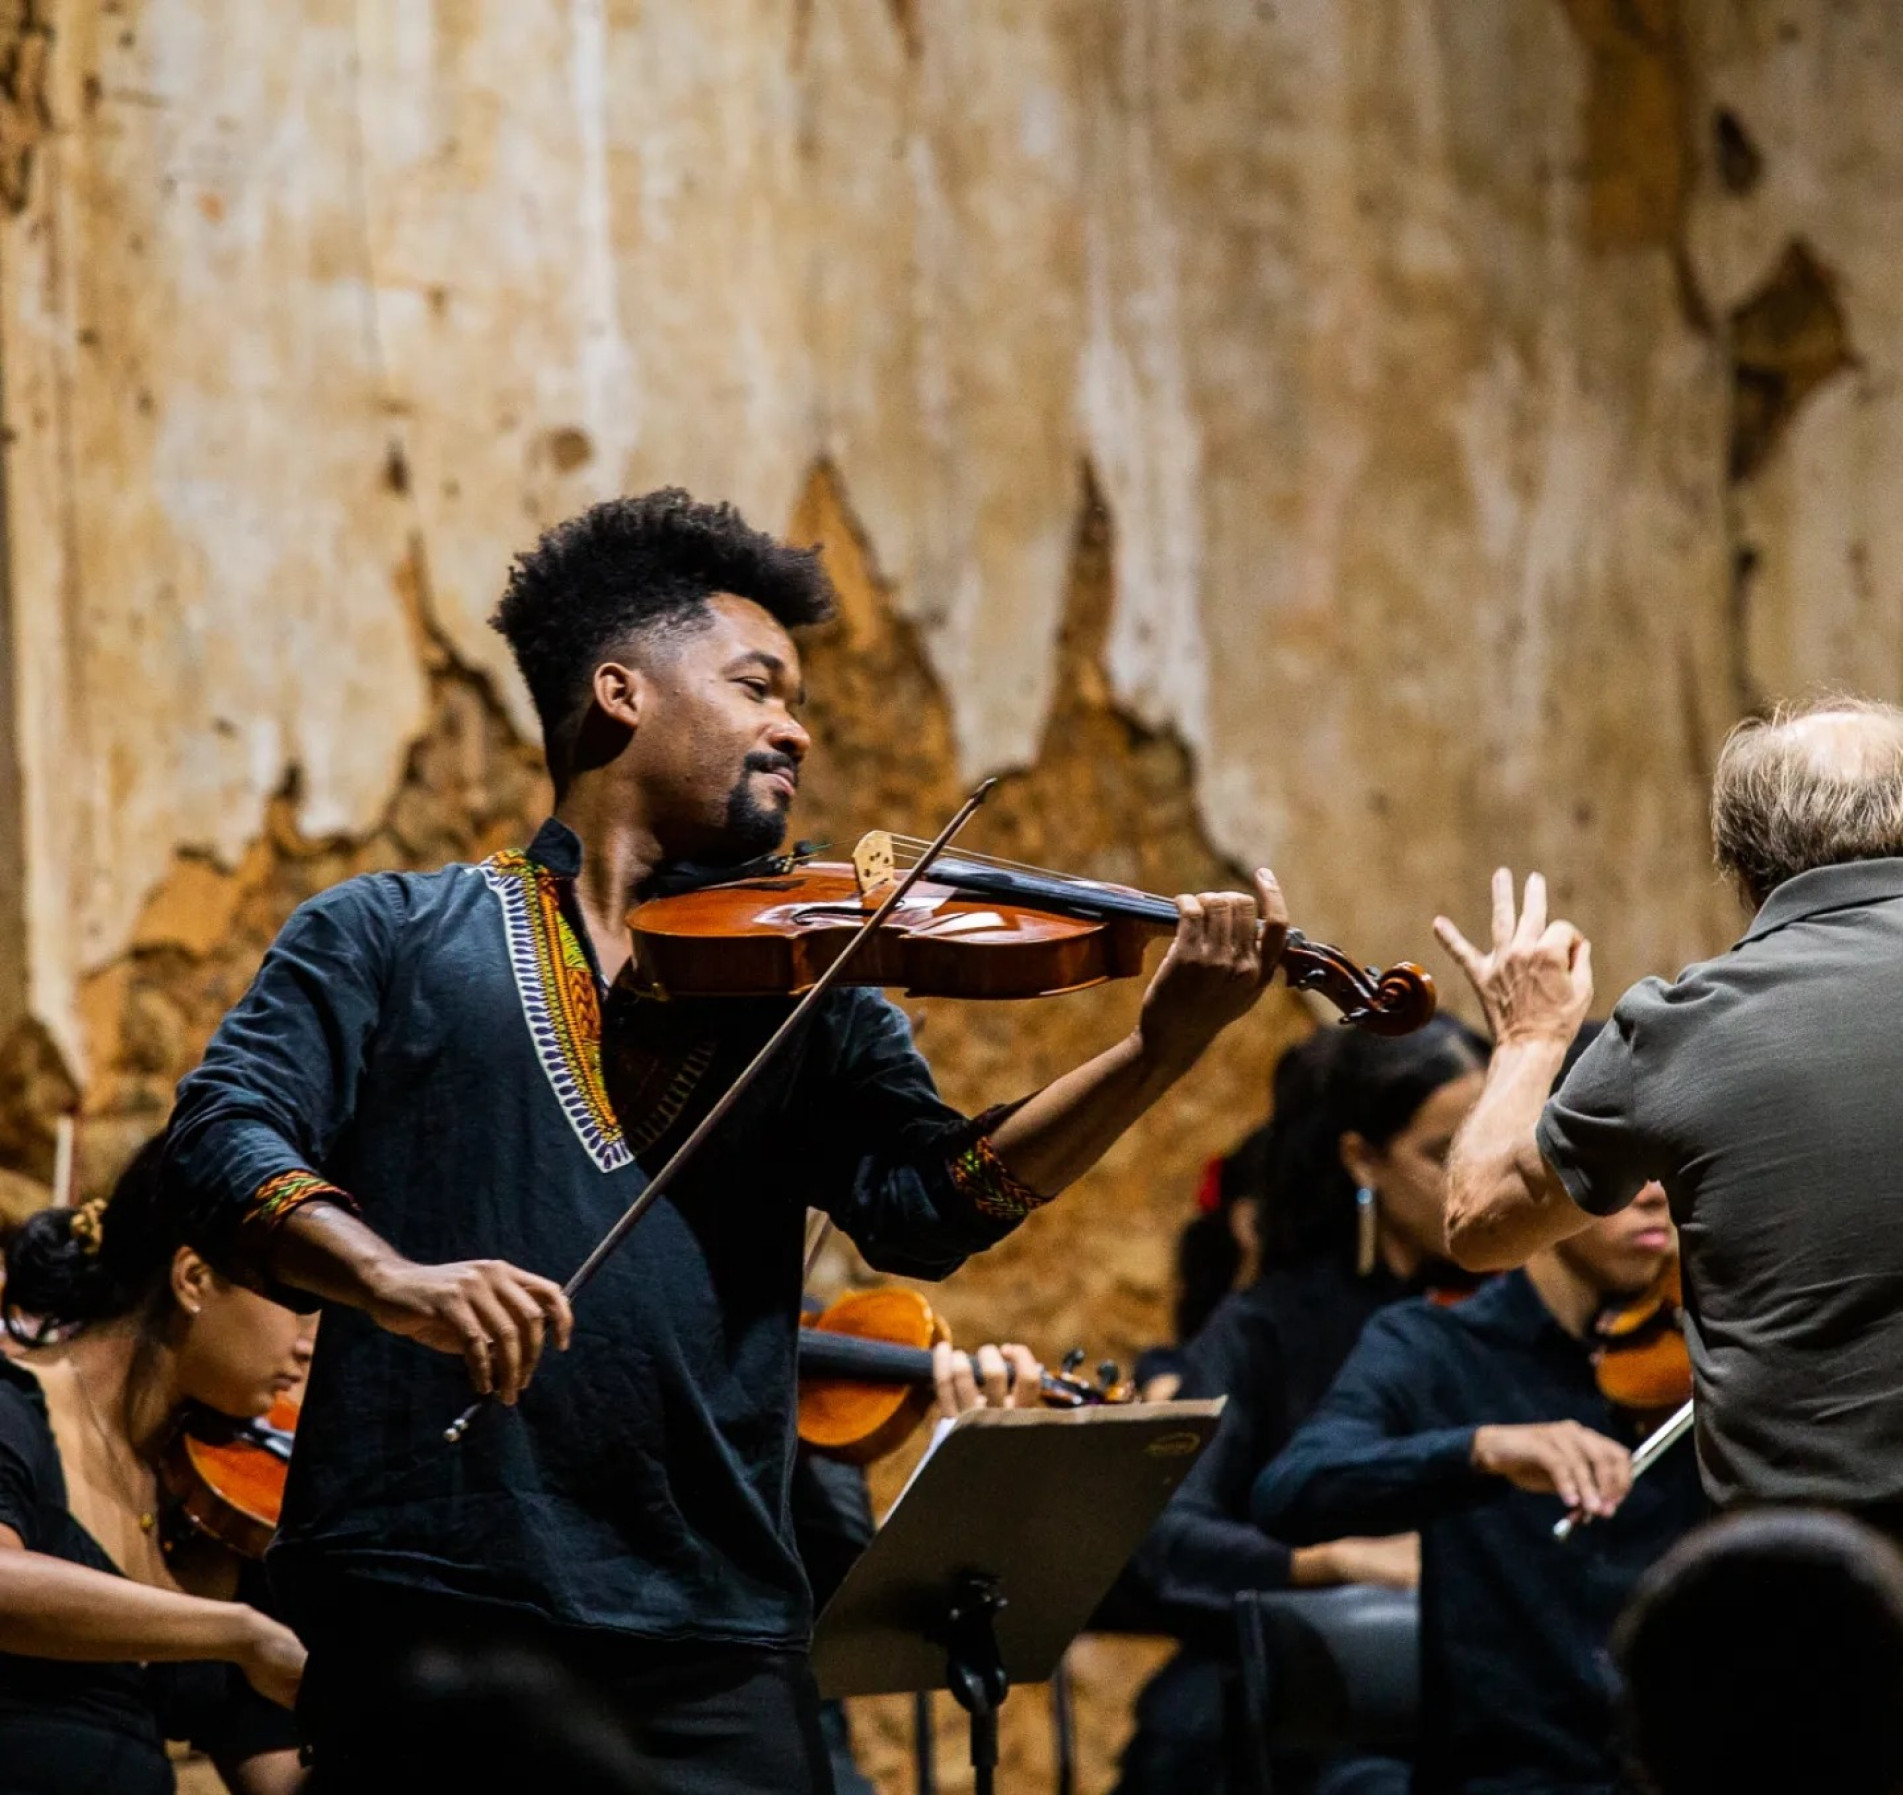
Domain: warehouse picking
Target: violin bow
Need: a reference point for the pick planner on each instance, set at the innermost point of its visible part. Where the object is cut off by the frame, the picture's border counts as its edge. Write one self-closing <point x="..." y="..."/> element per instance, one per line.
<point x="1650" y="1450"/>
<point x="658" y="1184"/>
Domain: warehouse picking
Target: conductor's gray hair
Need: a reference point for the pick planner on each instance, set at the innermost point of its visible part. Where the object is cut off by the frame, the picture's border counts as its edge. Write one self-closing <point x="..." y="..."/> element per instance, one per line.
<point x="1811" y="785"/>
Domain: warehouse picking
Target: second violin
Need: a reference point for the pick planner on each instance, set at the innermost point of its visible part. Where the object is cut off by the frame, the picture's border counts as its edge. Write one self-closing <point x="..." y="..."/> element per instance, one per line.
<point x="866" y="1380"/>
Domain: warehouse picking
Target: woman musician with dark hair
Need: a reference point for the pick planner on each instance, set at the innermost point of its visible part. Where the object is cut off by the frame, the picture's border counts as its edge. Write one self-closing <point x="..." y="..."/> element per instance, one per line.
<point x="115" y="1328"/>
<point x="1349" y="1178"/>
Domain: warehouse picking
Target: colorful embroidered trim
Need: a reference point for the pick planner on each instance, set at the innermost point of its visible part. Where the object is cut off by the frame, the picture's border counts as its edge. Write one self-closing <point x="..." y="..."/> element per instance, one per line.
<point x="276" y="1197"/>
<point x="559" y="1000"/>
<point x="980" y="1176"/>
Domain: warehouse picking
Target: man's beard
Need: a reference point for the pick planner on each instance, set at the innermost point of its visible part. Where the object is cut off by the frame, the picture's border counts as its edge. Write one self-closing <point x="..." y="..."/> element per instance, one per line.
<point x="751" y="827"/>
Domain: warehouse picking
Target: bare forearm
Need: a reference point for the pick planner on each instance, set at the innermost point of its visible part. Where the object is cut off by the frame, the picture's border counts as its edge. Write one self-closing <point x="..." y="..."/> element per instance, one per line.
<point x="326" y="1250"/>
<point x="1504" y="1203"/>
<point x="52" y="1609"/>
<point x="1059" y="1134"/>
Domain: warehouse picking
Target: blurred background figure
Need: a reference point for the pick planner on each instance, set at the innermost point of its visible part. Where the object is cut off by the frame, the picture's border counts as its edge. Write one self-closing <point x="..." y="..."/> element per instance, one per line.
<point x="489" y="1721"/>
<point x="1764" y="1655"/>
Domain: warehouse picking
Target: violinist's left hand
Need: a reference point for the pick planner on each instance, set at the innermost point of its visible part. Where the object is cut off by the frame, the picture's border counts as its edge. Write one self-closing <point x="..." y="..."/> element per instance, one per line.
<point x="997" y="1377"/>
<point x="1223" y="954"/>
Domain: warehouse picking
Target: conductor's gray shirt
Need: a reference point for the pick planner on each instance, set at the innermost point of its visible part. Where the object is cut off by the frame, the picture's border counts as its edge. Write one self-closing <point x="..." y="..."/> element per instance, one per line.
<point x="1764" y="1089"/>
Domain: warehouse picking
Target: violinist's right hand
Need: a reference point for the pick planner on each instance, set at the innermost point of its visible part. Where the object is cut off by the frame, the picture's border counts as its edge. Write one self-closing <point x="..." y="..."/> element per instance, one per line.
<point x="1588" y="1472"/>
<point x="270" y="1656"/>
<point x="495" y="1315"/>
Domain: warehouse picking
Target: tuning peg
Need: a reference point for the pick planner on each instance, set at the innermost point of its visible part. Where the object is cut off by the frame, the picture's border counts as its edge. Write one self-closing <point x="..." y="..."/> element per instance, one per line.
<point x="1072" y="1360"/>
<point x="1109" y="1374"/>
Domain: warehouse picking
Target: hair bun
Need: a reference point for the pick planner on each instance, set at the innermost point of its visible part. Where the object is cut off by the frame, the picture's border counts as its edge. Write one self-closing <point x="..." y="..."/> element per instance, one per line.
<point x="56" y="1277"/>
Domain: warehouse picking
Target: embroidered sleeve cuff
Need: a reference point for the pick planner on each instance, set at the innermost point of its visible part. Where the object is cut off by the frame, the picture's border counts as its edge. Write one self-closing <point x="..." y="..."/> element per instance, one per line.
<point x="279" y="1197"/>
<point x="985" y="1182"/>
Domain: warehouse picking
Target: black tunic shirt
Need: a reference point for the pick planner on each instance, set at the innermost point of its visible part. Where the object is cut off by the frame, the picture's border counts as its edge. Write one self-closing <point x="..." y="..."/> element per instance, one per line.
<point x="1516" y="1687"/>
<point x="432" y="1045"/>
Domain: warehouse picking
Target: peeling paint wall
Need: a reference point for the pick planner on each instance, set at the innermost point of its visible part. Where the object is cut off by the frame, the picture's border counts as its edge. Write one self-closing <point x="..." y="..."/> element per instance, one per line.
<point x="1378" y="439"/>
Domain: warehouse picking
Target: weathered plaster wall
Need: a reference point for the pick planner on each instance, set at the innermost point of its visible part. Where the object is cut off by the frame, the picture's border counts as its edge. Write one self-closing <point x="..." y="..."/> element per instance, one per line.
<point x="1382" y="439"/>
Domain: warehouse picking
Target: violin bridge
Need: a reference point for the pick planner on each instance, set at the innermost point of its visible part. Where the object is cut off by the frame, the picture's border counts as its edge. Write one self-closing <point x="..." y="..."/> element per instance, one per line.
<point x="875" y="865"/>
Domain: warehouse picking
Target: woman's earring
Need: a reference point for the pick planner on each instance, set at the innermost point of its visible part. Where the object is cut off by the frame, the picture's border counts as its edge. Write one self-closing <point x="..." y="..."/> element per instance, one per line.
<point x="1364" y="1231"/>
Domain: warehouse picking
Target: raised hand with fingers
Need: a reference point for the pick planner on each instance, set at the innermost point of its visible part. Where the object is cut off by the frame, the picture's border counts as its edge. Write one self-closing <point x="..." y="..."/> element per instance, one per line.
<point x="1536" y="980"/>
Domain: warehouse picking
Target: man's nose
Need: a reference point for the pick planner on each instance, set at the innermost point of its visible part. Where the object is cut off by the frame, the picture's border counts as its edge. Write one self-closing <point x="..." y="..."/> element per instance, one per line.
<point x="789" y="736"/>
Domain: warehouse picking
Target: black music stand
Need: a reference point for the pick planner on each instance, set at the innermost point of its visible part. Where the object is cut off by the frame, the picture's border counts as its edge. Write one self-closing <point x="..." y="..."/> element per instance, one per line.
<point x="1010" y="1533"/>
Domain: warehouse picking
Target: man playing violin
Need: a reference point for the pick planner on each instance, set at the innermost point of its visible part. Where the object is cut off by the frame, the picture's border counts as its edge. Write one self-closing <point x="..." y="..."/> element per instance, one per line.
<point x="1465" y="1424"/>
<point x="406" y="1116"/>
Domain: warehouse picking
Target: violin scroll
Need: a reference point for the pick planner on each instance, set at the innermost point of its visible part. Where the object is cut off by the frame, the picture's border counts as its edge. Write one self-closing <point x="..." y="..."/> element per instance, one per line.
<point x="1394" y="1002"/>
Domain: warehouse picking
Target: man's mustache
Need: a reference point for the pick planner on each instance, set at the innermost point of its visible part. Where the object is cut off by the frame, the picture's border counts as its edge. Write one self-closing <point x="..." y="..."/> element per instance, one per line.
<point x="764" y="761"/>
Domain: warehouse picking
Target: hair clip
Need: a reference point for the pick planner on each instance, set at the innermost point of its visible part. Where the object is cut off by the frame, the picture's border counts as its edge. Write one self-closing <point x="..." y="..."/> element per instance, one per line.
<point x="89" y="1225"/>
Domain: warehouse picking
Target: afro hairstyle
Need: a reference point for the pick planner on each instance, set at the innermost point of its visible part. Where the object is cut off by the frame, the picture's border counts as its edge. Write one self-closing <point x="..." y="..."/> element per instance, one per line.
<point x="632" y="567"/>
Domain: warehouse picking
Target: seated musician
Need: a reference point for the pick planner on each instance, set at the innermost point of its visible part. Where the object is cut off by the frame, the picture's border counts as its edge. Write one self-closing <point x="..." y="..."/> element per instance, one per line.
<point x="407" y="1117"/>
<point x="103" y="1653"/>
<point x="1348" y="1209"/>
<point x="1463" y="1424"/>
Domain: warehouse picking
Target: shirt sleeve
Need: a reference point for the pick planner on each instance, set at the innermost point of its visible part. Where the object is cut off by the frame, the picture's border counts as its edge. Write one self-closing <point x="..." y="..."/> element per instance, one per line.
<point x="913" y="1182"/>
<point x="280" y="1079"/>
<point x="25" y="1464"/>
<point x="1592" y="1132"/>
<point x="1363" y="1463"/>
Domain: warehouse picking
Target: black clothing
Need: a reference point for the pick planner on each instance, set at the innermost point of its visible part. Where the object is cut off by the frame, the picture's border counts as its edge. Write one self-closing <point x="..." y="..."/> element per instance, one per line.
<point x="705" y="1720"/>
<point x="1516" y="1689"/>
<point x="832" y="1525"/>
<point x="65" y="1726"/>
<point x="1760" y="1089"/>
<point x="433" y="1044"/>
<point x="1272" y="1349"/>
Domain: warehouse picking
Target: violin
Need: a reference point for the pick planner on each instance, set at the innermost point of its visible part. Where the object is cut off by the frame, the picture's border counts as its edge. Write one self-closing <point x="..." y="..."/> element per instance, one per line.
<point x="972" y="927"/>
<point x="226" y="1477"/>
<point x="1639" y="1354"/>
<point x="865" y="1374"/>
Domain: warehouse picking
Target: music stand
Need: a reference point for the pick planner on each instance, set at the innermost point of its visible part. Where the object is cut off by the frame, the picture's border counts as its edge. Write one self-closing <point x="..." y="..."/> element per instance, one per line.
<point x="995" y="1556"/>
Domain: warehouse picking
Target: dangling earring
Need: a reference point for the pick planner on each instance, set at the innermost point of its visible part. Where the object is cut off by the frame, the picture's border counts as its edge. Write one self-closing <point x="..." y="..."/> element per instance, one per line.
<point x="1365" y="1222"/>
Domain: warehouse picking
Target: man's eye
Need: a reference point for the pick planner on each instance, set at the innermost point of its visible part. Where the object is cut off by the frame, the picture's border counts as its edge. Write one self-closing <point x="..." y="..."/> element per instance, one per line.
<point x="758" y="687"/>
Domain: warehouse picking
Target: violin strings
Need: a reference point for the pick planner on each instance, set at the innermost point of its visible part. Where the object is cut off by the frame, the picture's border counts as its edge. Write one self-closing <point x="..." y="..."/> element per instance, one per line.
<point x="1019" y="866"/>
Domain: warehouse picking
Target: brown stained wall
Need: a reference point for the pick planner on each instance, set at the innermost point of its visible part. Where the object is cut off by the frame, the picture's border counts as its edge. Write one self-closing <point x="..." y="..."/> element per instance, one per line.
<point x="1386" y="438"/>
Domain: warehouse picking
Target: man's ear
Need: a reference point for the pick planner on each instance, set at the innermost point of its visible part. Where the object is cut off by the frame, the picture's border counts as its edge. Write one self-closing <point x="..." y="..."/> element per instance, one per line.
<point x="1361" y="1161"/>
<point x="620" y="693"/>
<point x="191" y="1280"/>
